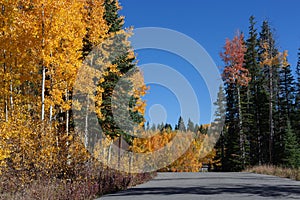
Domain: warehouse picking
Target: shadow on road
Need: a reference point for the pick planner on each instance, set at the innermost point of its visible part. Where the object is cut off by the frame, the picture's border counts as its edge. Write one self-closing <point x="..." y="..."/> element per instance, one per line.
<point x="263" y="191"/>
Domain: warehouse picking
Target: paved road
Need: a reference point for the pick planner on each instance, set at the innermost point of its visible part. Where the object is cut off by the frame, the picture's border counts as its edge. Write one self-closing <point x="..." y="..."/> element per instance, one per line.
<point x="223" y="186"/>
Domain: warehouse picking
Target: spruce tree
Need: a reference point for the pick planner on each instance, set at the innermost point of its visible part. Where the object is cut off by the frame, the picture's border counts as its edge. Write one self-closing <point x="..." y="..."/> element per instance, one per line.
<point x="250" y="98"/>
<point x="180" y="125"/>
<point x="125" y="65"/>
<point x="291" y="148"/>
<point x="232" y="160"/>
<point x="219" y="120"/>
<point x="296" y="108"/>
<point x="270" y="79"/>
<point x="190" y="125"/>
<point x="284" y="110"/>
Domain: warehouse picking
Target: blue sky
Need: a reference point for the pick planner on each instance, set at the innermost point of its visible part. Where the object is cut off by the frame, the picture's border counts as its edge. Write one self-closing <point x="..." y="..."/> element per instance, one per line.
<point x="209" y="23"/>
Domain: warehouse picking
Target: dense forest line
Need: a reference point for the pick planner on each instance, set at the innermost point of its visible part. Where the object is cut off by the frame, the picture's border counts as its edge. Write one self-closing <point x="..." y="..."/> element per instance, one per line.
<point x="260" y="99"/>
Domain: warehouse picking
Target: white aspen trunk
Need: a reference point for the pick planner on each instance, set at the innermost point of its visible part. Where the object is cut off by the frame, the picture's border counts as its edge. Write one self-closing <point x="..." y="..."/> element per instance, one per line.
<point x="67" y="113"/>
<point x="43" y="67"/>
<point x="43" y="94"/>
<point x="86" y="128"/>
<point x="51" y="106"/>
<point x="11" y="91"/>
<point x="6" y="109"/>
<point x="50" y="114"/>
<point x="5" y="96"/>
<point x="11" y="96"/>
<point x="109" y="153"/>
<point x="130" y="162"/>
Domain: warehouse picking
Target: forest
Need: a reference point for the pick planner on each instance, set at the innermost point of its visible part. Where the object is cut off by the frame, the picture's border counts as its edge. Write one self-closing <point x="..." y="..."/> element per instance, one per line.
<point x="262" y="102"/>
<point x="56" y="125"/>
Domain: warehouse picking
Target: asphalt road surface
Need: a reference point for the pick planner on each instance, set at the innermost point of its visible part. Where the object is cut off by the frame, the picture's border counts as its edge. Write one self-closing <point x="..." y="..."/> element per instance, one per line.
<point x="223" y="186"/>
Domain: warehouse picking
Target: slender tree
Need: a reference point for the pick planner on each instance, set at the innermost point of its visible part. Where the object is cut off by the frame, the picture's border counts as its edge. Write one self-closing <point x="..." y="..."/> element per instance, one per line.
<point x="252" y="97"/>
<point x="296" y="110"/>
<point x="220" y="115"/>
<point x="271" y="60"/>
<point x="236" y="76"/>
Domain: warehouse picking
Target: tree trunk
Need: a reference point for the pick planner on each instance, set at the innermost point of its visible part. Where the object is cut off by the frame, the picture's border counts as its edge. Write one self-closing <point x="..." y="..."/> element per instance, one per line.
<point x="242" y="136"/>
<point x="86" y="127"/>
<point x="11" y="93"/>
<point x="109" y="153"/>
<point x="43" y="67"/>
<point x="119" y="152"/>
<point x="67" y="113"/>
<point x="271" y="116"/>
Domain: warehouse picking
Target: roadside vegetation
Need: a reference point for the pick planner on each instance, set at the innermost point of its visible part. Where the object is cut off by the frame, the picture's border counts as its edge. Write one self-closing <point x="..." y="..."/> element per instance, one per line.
<point x="283" y="172"/>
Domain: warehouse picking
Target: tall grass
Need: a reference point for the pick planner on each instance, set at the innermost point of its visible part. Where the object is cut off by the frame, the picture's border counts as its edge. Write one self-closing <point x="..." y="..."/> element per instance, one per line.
<point x="276" y="171"/>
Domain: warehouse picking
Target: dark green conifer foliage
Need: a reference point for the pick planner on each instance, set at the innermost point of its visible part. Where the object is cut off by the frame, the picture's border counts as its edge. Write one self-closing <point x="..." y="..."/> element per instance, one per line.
<point x="284" y="110"/>
<point x="190" y="125"/>
<point x="180" y="125"/>
<point x="291" y="148"/>
<point x="270" y="77"/>
<point x="232" y="161"/>
<point x="125" y="66"/>
<point x="296" y="108"/>
<point x="219" y="121"/>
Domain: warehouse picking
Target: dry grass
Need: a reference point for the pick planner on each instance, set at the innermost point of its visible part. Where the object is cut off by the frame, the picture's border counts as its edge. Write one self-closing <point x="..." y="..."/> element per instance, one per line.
<point x="276" y="171"/>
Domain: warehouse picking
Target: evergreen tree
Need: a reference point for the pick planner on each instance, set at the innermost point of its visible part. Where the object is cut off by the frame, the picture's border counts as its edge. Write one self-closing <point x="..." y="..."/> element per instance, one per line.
<point x="296" y="108"/>
<point x="284" y="110"/>
<point x="291" y="148"/>
<point x="111" y="16"/>
<point x="147" y="126"/>
<point x="180" y="125"/>
<point x="251" y="96"/>
<point x="268" y="52"/>
<point x="196" y="129"/>
<point x="168" y="127"/>
<point x="123" y="63"/>
<point x="190" y="125"/>
<point x="219" y="120"/>
<point x="232" y="160"/>
<point x="153" y="127"/>
<point x="202" y="129"/>
<point x="236" y="76"/>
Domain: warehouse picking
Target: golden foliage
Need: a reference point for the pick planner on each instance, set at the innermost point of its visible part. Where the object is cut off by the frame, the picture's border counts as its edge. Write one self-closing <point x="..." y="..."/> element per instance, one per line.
<point x="200" y="150"/>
